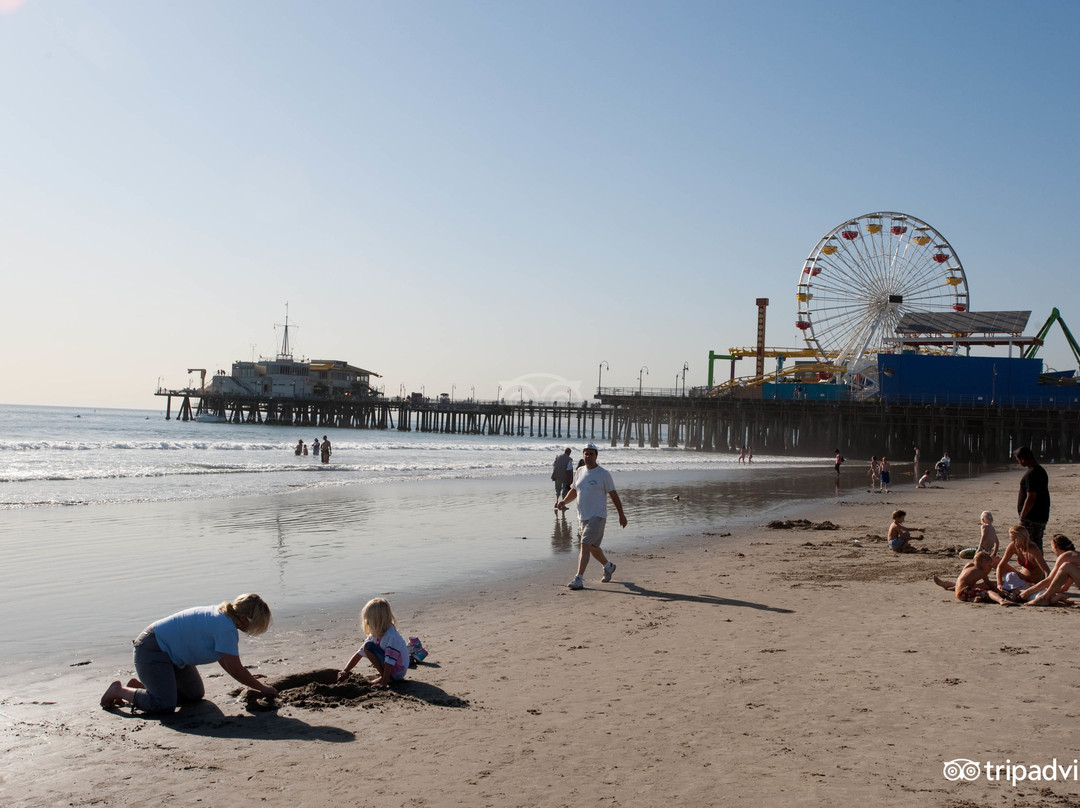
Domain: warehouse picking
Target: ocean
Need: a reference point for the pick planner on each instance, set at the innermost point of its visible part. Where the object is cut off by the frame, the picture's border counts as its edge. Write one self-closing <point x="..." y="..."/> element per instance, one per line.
<point x="110" y="519"/>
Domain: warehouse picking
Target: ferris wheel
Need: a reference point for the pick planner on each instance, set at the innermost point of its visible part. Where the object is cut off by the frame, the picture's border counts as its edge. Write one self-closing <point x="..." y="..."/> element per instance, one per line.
<point x="865" y="274"/>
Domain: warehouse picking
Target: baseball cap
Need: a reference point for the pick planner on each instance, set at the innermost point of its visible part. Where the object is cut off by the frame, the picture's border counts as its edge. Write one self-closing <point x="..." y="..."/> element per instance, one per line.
<point x="591" y="446"/>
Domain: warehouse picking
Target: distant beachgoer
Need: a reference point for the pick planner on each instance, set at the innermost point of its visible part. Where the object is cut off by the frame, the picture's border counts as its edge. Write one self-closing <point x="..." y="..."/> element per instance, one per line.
<point x="886" y="474"/>
<point x="749" y="454"/>
<point x="384" y="647"/>
<point x="1033" y="504"/>
<point x="918" y="456"/>
<point x="943" y="467"/>
<point x="315" y="447"/>
<point x="305" y="450"/>
<point x="324" y="449"/>
<point x="299" y="448"/>
<point x="988" y="537"/>
<point x="973" y="585"/>
<point x="899" y="536"/>
<point x="1030" y="565"/>
<point x="167" y="652"/>
<point x="562" y="473"/>
<point x="839" y="459"/>
<point x="1056" y="582"/>
<point x="742" y="455"/>
<point x="875" y="473"/>
<point x="924" y="480"/>
<point x="591" y="488"/>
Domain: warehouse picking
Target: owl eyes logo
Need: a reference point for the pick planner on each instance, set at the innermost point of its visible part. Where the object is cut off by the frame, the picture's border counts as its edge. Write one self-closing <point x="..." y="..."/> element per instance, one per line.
<point x="961" y="769"/>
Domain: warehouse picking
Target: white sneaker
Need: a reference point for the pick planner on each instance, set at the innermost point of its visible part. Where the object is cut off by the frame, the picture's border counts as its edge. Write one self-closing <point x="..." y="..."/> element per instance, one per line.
<point x="577" y="583"/>
<point x="609" y="570"/>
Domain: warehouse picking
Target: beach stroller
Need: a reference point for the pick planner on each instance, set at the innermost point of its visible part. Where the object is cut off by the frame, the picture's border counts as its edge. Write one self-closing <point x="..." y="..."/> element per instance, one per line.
<point x="942" y="469"/>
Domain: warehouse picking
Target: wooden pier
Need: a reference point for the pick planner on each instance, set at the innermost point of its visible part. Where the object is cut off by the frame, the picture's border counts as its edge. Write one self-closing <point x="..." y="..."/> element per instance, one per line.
<point x="981" y="433"/>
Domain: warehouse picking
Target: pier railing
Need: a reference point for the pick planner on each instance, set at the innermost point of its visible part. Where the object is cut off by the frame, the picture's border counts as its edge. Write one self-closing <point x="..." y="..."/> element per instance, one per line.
<point x="968" y="427"/>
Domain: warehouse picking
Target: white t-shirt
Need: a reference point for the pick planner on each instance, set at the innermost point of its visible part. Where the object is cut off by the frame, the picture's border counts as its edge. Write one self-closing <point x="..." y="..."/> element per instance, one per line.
<point x="396" y="649"/>
<point x="592" y="486"/>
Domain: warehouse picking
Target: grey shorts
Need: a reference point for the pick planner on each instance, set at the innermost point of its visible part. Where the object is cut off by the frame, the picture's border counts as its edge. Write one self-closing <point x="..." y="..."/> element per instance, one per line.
<point x="591" y="531"/>
<point x="1035" y="530"/>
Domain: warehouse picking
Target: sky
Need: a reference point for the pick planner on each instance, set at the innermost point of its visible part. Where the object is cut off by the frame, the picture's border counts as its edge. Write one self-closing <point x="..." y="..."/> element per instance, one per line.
<point x="508" y="198"/>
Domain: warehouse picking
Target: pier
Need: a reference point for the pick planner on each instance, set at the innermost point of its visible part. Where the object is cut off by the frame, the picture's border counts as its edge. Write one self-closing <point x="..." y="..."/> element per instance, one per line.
<point x="969" y="430"/>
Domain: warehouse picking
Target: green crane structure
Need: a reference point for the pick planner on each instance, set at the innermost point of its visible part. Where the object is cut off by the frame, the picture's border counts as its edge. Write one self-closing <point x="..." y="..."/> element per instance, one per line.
<point x="1055" y="316"/>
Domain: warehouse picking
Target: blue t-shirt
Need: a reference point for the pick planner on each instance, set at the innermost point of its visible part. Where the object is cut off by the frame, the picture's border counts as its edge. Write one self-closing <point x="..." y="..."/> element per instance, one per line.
<point x="197" y="636"/>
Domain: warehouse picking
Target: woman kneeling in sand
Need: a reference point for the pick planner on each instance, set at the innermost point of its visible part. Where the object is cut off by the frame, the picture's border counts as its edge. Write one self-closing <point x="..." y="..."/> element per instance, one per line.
<point x="167" y="652"/>
<point x="967" y="585"/>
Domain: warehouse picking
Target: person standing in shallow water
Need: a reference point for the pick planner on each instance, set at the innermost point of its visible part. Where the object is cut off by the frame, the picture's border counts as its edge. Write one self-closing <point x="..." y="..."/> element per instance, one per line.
<point x="324" y="449"/>
<point x="562" y="474"/>
<point x="591" y="488"/>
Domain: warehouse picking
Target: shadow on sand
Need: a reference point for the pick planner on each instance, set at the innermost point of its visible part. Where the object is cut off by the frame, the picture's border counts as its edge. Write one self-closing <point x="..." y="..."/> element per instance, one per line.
<point x="712" y="600"/>
<point x="205" y="718"/>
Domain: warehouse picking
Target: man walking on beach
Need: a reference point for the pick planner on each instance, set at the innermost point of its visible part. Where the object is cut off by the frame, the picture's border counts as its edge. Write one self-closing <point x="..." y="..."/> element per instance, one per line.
<point x="591" y="487"/>
<point x="562" y="474"/>
<point x="1033" y="504"/>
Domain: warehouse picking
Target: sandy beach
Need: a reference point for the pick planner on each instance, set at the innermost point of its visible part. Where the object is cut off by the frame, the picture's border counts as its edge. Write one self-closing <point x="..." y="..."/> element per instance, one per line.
<point x="766" y="667"/>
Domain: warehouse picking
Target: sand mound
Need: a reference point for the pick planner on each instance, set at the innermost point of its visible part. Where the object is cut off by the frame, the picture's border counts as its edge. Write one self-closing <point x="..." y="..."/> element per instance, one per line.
<point x="316" y="690"/>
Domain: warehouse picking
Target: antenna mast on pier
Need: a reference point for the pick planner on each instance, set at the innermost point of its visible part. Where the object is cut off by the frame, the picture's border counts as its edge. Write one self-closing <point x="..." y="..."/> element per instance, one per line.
<point x="285" y="353"/>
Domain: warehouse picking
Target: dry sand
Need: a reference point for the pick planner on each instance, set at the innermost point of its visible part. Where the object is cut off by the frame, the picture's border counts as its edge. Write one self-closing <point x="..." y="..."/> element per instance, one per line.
<point x="770" y="667"/>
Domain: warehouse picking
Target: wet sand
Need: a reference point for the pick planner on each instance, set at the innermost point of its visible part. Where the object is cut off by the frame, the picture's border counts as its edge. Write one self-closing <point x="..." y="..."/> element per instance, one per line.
<point x="770" y="667"/>
<point x="321" y="550"/>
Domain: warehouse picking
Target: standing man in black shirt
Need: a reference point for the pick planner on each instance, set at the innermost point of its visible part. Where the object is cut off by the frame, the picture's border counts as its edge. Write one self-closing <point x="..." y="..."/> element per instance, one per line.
<point x="1033" y="505"/>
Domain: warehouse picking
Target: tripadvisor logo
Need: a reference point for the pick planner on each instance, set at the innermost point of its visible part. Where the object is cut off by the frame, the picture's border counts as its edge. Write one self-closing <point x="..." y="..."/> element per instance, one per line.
<point x="1009" y="772"/>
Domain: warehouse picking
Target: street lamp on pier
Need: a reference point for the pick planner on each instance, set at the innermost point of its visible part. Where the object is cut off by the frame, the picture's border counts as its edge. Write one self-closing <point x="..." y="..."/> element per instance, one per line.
<point x="645" y="370"/>
<point x="600" y="374"/>
<point x="685" y="367"/>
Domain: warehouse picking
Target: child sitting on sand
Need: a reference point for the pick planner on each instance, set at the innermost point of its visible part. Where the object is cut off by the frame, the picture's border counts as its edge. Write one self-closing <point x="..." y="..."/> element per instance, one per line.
<point x="988" y="540"/>
<point x="383" y="647"/>
<point x="966" y="586"/>
<point x="898" y="536"/>
<point x="924" y="481"/>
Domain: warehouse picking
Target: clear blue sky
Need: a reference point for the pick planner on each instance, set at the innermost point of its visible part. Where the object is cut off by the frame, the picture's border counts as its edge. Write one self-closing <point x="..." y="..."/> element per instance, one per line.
<point x="474" y="193"/>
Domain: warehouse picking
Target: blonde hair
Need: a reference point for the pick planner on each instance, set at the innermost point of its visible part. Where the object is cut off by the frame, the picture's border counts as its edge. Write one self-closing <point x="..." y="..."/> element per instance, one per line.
<point x="251" y="608"/>
<point x="981" y="556"/>
<point x="1020" y="537"/>
<point x="987" y="517"/>
<point x="377" y="617"/>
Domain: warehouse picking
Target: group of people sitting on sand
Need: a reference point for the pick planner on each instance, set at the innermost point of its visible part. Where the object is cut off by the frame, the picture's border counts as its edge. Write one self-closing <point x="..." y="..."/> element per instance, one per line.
<point x="1022" y="574"/>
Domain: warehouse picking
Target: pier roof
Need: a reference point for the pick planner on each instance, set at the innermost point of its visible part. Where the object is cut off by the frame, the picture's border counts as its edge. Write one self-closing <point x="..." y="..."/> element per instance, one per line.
<point x="964" y="322"/>
<point x="338" y="364"/>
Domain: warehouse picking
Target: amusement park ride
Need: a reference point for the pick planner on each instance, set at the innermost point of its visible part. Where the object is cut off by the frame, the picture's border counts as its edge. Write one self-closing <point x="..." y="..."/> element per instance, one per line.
<point x="880" y="283"/>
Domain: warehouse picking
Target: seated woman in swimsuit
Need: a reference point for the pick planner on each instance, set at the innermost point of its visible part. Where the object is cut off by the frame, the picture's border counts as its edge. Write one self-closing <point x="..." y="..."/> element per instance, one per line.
<point x="1029" y="567"/>
<point x="899" y="536"/>
<point x="1058" y="582"/>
